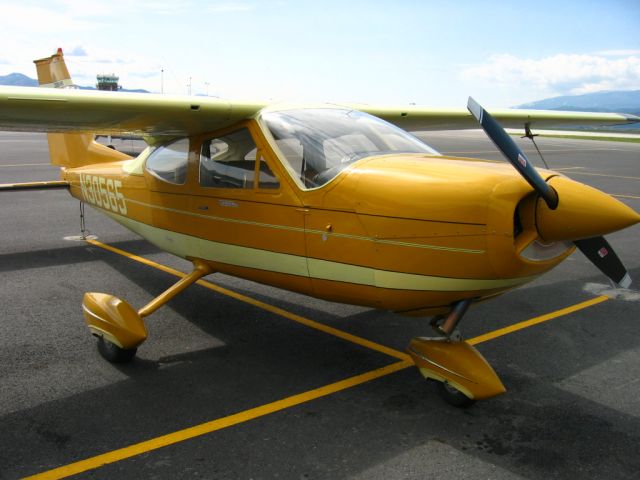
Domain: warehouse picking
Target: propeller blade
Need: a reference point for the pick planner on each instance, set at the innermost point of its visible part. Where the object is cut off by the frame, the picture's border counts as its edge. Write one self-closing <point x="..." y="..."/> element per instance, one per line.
<point x="513" y="153"/>
<point x="598" y="250"/>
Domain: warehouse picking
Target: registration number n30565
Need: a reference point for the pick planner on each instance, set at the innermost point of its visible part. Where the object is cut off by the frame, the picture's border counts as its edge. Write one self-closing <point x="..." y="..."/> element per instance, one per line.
<point x="103" y="192"/>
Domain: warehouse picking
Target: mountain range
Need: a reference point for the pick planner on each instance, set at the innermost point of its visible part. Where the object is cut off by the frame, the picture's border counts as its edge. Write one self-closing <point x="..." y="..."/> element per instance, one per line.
<point x="18" y="80"/>
<point x="619" y="101"/>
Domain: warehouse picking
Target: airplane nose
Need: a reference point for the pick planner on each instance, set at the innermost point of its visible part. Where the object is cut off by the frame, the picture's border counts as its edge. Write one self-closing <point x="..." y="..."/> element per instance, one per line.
<point x="583" y="212"/>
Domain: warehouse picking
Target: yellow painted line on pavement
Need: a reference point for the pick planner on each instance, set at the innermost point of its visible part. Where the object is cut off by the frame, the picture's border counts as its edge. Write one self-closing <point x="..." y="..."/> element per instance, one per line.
<point x="265" y="306"/>
<point x="218" y="424"/>
<point x="282" y="404"/>
<point x="535" y="321"/>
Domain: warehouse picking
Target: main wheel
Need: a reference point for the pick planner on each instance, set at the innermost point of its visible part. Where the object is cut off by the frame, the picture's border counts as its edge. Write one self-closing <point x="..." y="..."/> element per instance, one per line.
<point x="453" y="396"/>
<point x="113" y="353"/>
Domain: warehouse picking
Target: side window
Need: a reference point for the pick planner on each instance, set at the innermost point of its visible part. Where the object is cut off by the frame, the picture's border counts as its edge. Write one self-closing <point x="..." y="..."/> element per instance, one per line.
<point x="169" y="162"/>
<point x="229" y="161"/>
<point x="291" y="148"/>
<point x="267" y="179"/>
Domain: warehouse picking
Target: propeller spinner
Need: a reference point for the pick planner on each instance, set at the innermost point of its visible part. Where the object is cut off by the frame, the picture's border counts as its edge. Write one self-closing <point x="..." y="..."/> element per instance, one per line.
<point x="573" y="211"/>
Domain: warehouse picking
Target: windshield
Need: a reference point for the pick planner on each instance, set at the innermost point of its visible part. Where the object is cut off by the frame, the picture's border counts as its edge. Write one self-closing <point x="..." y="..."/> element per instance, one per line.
<point x="318" y="143"/>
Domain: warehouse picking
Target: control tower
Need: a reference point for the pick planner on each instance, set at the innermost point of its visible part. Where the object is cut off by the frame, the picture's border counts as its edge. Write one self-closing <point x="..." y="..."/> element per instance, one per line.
<point x="107" y="82"/>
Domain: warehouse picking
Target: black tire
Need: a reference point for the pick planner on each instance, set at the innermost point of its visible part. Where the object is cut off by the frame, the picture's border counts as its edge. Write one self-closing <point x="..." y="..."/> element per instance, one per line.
<point x="113" y="353"/>
<point x="453" y="396"/>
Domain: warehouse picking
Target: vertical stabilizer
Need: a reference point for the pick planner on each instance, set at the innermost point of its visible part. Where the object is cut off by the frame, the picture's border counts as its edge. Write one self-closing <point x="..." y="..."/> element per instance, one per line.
<point x="70" y="149"/>
<point x="52" y="71"/>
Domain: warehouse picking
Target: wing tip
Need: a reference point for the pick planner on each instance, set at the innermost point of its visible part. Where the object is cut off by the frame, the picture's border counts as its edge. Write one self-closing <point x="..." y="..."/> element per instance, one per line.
<point x="475" y="109"/>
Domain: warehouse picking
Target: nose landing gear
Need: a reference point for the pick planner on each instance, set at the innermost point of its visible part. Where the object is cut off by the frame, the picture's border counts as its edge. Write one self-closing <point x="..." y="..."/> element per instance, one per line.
<point x="464" y="374"/>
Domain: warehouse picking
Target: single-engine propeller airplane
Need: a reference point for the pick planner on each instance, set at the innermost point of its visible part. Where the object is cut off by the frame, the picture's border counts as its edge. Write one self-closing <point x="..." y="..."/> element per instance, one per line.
<point x="333" y="201"/>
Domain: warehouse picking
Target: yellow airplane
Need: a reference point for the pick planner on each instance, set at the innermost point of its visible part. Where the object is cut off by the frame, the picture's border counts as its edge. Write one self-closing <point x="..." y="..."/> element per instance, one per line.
<point x="334" y="201"/>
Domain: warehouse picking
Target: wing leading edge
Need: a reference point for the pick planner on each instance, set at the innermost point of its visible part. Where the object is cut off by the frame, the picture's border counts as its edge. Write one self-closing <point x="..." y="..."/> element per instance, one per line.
<point x="71" y="110"/>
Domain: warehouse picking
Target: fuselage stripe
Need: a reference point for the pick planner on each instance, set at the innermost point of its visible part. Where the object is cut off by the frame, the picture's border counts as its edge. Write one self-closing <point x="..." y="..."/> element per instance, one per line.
<point x="188" y="246"/>
<point x="309" y="231"/>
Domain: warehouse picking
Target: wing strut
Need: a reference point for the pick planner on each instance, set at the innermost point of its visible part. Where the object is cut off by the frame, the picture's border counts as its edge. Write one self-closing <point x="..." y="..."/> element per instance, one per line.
<point x="528" y="134"/>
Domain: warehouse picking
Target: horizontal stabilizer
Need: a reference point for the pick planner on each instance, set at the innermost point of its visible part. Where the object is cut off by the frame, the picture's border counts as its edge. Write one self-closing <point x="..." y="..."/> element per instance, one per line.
<point x="52" y="185"/>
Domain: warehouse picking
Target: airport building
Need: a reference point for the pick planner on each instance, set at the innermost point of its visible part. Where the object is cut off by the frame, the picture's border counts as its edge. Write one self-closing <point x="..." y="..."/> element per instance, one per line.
<point x="107" y="82"/>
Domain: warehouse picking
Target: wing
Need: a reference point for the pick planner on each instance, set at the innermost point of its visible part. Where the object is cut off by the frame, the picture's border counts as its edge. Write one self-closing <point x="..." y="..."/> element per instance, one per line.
<point x="71" y="110"/>
<point x="416" y="118"/>
<point x="99" y="112"/>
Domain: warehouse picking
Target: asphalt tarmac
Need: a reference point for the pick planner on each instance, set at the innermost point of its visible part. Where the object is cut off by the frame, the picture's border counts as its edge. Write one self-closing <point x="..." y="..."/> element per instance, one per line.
<point x="251" y="387"/>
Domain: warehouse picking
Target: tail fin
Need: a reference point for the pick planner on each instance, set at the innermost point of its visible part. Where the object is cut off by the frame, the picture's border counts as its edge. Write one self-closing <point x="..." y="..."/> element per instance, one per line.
<point x="70" y="149"/>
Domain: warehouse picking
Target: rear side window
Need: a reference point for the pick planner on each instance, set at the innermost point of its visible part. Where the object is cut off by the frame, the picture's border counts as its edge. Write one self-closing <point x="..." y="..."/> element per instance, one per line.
<point x="229" y="161"/>
<point x="169" y="162"/>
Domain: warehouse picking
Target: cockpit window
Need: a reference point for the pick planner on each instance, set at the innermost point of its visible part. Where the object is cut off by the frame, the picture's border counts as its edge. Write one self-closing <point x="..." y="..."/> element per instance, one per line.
<point x="229" y="161"/>
<point x="169" y="162"/>
<point x="318" y="143"/>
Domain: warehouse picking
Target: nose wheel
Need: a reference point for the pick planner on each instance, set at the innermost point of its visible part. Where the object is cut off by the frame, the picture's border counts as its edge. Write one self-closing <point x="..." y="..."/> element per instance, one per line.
<point x="462" y="373"/>
<point x="120" y="327"/>
<point x="453" y="396"/>
<point x="113" y="353"/>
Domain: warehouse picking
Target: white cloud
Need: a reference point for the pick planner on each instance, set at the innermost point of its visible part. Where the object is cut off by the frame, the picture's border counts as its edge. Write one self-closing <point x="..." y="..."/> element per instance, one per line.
<point x="617" y="53"/>
<point x="562" y="74"/>
<point x="77" y="51"/>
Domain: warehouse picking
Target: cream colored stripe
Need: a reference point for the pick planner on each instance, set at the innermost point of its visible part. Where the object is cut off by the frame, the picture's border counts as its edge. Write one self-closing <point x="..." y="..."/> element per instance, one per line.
<point x="303" y="230"/>
<point x="403" y="281"/>
<point x="188" y="246"/>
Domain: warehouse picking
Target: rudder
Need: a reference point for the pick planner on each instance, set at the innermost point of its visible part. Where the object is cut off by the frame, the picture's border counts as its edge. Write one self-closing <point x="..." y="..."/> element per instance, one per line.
<point x="70" y="150"/>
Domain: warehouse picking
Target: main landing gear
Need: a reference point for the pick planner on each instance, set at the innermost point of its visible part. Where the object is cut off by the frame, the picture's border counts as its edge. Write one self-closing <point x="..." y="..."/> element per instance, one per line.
<point x="463" y="374"/>
<point x="119" y="327"/>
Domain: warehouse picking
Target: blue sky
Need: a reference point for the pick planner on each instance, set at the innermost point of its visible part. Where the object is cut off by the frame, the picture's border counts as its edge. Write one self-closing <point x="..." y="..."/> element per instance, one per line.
<point x="392" y="52"/>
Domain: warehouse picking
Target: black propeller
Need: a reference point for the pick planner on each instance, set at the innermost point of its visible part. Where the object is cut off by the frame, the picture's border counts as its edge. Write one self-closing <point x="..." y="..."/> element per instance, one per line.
<point x="601" y="254"/>
<point x="596" y="249"/>
<point x="516" y="157"/>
